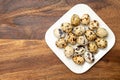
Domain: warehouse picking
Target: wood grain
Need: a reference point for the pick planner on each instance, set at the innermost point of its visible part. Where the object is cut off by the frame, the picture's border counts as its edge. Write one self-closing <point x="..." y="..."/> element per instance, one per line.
<point x="24" y="55"/>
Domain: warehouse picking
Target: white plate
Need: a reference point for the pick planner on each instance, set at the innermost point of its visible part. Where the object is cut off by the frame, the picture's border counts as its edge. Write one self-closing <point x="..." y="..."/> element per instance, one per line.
<point x="79" y="9"/>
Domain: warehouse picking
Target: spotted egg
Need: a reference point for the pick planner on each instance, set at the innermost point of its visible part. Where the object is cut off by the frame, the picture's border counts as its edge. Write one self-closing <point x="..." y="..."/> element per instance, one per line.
<point x="59" y="33"/>
<point x="79" y="50"/>
<point x="89" y="57"/>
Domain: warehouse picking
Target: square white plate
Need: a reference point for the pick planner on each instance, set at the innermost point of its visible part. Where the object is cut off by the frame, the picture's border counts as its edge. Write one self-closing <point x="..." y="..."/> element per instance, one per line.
<point x="50" y="39"/>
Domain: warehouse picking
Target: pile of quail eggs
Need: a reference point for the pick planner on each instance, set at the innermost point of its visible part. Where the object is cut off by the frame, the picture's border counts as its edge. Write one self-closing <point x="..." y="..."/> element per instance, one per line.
<point x="81" y="38"/>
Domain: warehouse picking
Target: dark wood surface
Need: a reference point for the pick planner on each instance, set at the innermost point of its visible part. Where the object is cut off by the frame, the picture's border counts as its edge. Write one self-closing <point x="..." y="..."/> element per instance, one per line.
<point x="24" y="55"/>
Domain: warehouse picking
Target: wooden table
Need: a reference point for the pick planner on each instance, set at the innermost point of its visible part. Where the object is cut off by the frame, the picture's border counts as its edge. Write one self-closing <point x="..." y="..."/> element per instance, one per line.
<point x="24" y="55"/>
